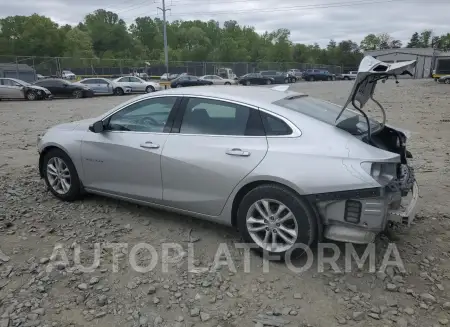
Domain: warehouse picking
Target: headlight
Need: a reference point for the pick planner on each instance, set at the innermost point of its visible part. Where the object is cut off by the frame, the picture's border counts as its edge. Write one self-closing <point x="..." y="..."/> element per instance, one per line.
<point x="382" y="172"/>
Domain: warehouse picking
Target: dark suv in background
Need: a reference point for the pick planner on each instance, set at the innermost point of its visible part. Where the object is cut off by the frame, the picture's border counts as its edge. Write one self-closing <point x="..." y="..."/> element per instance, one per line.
<point x="318" y="75"/>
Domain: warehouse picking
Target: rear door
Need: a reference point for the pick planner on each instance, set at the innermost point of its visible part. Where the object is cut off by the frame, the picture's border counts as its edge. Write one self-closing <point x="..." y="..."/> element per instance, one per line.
<point x="136" y="84"/>
<point x="214" y="144"/>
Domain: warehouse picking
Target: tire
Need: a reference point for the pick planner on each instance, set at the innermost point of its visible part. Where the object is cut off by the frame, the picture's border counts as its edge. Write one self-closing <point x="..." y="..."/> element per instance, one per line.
<point x="286" y="81"/>
<point x="311" y="79"/>
<point x="31" y="96"/>
<point x="227" y="83"/>
<point x="77" y="94"/>
<point x="247" y="83"/>
<point x="330" y="78"/>
<point x="74" y="190"/>
<point x="149" y="89"/>
<point x="447" y="81"/>
<point x="346" y="78"/>
<point x="268" y="82"/>
<point x="179" y="85"/>
<point x="303" y="216"/>
<point x="119" y="91"/>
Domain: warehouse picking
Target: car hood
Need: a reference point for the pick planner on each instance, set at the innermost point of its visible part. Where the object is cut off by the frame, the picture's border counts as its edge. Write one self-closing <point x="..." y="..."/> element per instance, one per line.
<point x="370" y="71"/>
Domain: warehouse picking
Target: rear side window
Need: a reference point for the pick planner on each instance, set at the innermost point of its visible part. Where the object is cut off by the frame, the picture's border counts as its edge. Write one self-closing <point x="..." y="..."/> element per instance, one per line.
<point x="274" y="126"/>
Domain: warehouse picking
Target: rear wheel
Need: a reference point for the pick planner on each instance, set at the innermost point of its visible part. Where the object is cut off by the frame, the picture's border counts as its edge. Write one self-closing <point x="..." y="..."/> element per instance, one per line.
<point x="311" y="78"/>
<point x="330" y="78"/>
<point x="77" y="94"/>
<point x="346" y="78"/>
<point x="149" y="89"/>
<point x="286" y="81"/>
<point x="447" y="81"/>
<point x="268" y="82"/>
<point x="179" y="85"/>
<point x="247" y="83"/>
<point x="61" y="176"/>
<point x="31" y="96"/>
<point x="276" y="219"/>
<point x="227" y="83"/>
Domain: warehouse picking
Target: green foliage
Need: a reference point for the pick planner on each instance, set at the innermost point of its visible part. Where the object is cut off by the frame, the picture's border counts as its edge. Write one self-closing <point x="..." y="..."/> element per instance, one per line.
<point x="103" y="35"/>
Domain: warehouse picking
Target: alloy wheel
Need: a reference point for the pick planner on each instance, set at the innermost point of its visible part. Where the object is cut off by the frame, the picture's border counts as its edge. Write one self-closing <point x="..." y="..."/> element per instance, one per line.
<point x="58" y="175"/>
<point x="272" y="225"/>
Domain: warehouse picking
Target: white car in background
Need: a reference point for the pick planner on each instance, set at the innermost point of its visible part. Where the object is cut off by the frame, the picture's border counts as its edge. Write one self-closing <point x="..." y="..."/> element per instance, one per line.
<point x="138" y="84"/>
<point x="217" y="80"/>
<point x="105" y="86"/>
<point x="67" y="74"/>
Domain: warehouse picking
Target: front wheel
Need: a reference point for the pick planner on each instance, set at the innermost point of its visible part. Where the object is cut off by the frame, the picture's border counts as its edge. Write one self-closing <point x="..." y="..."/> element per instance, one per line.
<point x="276" y="220"/>
<point x="311" y="78"/>
<point x="330" y="78"/>
<point x="227" y="83"/>
<point x="31" y="96"/>
<point x="247" y="83"/>
<point x="77" y="94"/>
<point x="149" y="89"/>
<point x="286" y="81"/>
<point x="268" y="82"/>
<point x="179" y="85"/>
<point x="61" y="176"/>
<point x="447" y="81"/>
<point x="119" y="91"/>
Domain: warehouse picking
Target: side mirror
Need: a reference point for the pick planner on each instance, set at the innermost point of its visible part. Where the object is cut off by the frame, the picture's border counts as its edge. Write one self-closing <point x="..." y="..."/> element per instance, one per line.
<point x="97" y="127"/>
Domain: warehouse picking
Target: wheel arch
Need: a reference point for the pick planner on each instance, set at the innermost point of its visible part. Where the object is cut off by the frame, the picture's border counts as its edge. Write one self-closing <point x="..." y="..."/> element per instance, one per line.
<point x="46" y="149"/>
<point x="245" y="189"/>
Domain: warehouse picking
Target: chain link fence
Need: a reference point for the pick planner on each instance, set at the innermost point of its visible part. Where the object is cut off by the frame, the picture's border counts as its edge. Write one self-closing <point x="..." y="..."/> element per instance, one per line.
<point x="53" y="66"/>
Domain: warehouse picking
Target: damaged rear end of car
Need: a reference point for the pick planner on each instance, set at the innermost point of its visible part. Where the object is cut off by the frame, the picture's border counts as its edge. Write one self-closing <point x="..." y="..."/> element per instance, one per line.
<point x="395" y="200"/>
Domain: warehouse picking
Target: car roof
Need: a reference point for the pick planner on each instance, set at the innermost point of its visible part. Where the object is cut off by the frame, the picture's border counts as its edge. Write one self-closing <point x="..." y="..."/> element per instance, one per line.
<point x="51" y="80"/>
<point x="251" y="95"/>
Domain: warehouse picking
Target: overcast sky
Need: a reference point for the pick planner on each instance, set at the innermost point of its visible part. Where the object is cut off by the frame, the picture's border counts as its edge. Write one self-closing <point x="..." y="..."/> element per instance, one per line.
<point x="308" y="20"/>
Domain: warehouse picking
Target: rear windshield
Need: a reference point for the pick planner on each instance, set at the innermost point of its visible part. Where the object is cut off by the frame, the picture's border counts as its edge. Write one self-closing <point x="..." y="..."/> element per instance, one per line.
<point x="327" y="112"/>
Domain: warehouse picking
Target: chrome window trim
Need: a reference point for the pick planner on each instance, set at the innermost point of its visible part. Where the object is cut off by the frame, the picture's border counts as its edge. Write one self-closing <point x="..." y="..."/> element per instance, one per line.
<point x="296" y="132"/>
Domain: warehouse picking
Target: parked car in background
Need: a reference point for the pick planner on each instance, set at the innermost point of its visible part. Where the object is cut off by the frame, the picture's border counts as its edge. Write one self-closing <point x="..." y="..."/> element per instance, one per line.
<point x="349" y="76"/>
<point x="64" y="89"/>
<point x="318" y="75"/>
<point x="291" y="77"/>
<point x="138" y="85"/>
<point x="168" y="77"/>
<point x="444" y="79"/>
<point x="39" y="76"/>
<point x="255" y="79"/>
<point x="104" y="86"/>
<point x="67" y="74"/>
<point x="12" y="88"/>
<point x="217" y="80"/>
<point x="278" y="77"/>
<point x="287" y="169"/>
<point x="295" y="72"/>
<point x="189" y="80"/>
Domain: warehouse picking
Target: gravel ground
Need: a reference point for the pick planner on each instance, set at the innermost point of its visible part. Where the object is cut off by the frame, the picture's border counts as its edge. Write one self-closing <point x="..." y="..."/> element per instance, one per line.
<point x="32" y="221"/>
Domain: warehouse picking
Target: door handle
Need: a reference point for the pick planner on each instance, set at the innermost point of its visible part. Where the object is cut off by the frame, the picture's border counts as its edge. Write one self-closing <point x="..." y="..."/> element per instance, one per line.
<point x="238" y="152"/>
<point x="149" y="145"/>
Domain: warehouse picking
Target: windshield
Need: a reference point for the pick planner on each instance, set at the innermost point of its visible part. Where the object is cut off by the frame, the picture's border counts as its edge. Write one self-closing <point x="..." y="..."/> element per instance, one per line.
<point x="350" y="121"/>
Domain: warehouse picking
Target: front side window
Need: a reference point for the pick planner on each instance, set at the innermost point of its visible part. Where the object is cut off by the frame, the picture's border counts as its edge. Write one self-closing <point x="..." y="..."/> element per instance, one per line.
<point x="124" y="79"/>
<point x="213" y="117"/>
<point x="148" y="115"/>
<point x="9" y="82"/>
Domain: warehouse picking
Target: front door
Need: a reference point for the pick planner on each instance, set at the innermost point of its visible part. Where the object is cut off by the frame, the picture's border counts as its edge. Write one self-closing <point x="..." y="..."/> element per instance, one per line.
<point x="125" y="159"/>
<point x="137" y="85"/>
<point x="9" y="89"/>
<point x="211" y="154"/>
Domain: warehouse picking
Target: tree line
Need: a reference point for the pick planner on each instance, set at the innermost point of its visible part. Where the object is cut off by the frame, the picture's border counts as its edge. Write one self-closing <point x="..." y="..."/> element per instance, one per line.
<point x="103" y="34"/>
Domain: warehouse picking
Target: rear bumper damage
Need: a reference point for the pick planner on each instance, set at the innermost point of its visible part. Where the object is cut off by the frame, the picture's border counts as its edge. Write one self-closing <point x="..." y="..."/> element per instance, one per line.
<point x="358" y="219"/>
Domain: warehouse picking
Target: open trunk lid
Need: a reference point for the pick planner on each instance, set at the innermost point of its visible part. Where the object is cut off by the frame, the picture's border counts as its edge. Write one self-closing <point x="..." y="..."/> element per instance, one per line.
<point x="371" y="71"/>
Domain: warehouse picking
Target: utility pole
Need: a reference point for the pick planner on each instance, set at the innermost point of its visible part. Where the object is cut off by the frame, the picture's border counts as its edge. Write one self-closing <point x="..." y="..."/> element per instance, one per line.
<point x="166" y="50"/>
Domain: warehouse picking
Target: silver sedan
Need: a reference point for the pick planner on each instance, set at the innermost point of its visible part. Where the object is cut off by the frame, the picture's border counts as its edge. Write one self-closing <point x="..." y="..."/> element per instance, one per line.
<point x="104" y="86"/>
<point x="138" y="84"/>
<point x="272" y="163"/>
<point x="217" y="80"/>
